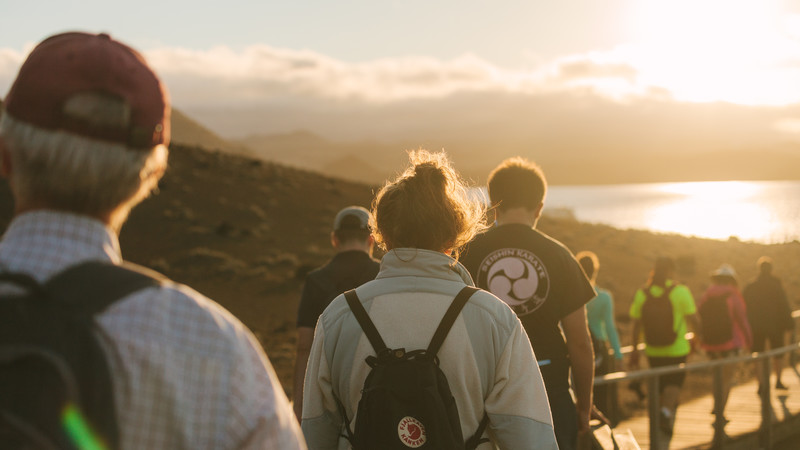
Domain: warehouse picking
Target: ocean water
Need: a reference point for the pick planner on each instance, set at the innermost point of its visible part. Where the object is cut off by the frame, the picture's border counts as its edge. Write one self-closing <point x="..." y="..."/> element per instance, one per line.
<point x="756" y="211"/>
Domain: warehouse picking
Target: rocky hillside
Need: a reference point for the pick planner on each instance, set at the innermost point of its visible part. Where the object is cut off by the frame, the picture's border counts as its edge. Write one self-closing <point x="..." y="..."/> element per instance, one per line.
<point x="244" y="232"/>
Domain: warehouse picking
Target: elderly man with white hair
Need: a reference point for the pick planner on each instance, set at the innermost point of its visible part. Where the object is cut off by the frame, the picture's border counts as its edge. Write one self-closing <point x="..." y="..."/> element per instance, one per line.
<point x="83" y="137"/>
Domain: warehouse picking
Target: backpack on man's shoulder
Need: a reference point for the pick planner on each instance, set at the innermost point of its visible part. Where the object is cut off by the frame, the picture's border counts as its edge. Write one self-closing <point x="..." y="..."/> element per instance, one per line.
<point x="406" y="400"/>
<point x="55" y="385"/>
<point x="658" y="318"/>
<point x="716" y="319"/>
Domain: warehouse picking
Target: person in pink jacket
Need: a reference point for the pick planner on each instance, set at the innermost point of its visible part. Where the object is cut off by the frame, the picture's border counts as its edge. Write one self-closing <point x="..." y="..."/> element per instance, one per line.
<point x="726" y="331"/>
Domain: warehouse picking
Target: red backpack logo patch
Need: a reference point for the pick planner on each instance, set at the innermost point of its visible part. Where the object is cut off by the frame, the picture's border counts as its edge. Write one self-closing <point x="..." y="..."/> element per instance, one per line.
<point x="411" y="432"/>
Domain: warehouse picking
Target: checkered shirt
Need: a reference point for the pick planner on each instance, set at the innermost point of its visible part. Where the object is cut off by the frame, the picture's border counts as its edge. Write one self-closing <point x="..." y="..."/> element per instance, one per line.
<point x="187" y="374"/>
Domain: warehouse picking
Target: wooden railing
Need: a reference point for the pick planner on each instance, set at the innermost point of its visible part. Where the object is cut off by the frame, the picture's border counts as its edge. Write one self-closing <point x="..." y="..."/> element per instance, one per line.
<point x="651" y="376"/>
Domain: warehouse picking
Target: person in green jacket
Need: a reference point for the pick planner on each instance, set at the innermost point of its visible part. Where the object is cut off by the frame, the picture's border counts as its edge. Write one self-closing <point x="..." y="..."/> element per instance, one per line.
<point x="659" y="354"/>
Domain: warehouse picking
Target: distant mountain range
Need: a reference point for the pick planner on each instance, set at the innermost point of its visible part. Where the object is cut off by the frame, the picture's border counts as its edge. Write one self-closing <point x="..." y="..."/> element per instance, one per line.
<point x="577" y="139"/>
<point x="570" y="138"/>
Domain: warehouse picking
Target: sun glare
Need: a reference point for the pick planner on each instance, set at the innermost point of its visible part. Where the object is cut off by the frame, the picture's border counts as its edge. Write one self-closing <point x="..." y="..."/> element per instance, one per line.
<point x="705" y="191"/>
<point x="708" y="50"/>
<point x="717" y="210"/>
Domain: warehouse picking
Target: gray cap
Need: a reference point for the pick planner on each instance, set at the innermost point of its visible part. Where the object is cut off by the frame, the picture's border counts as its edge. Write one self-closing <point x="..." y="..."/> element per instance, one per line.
<point x="352" y="218"/>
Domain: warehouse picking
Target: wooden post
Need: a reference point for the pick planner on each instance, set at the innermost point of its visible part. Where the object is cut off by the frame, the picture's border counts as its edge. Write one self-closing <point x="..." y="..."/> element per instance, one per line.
<point x="654" y="409"/>
<point x="765" y="437"/>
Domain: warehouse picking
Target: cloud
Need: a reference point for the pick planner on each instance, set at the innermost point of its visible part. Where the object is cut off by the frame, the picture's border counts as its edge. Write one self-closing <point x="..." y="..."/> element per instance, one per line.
<point x="262" y="73"/>
<point x="258" y="75"/>
<point x="265" y="73"/>
<point x="586" y="68"/>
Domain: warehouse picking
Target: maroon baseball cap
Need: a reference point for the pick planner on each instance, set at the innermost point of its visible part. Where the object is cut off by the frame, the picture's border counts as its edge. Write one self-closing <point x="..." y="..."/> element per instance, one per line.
<point x="72" y="63"/>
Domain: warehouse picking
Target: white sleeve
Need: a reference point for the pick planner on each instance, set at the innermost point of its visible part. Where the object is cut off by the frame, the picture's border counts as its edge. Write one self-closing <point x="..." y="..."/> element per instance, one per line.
<point x="517" y="405"/>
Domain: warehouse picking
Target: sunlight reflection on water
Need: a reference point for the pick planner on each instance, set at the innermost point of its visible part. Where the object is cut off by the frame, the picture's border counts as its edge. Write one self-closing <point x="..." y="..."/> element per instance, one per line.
<point x="760" y="211"/>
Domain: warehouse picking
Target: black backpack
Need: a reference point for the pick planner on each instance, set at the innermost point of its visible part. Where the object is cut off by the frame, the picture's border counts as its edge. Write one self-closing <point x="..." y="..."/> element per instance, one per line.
<point x="406" y="401"/>
<point x="55" y="386"/>
<point x="716" y="319"/>
<point x="658" y="318"/>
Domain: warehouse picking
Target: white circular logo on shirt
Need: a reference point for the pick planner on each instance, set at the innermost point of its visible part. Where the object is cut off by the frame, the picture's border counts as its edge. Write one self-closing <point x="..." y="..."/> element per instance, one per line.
<point x="517" y="277"/>
<point x="411" y="432"/>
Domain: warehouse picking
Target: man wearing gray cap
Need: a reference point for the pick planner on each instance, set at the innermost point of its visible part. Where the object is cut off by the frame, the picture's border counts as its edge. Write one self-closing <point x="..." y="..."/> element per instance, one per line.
<point x="351" y="267"/>
<point x="83" y="137"/>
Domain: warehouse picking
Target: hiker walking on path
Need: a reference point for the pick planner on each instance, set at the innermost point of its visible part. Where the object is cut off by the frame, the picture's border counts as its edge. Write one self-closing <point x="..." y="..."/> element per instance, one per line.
<point x="725" y="328"/>
<point x="421" y="219"/>
<point x="603" y="328"/>
<point x="543" y="283"/>
<point x="769" y="314"/>
<point x="662" y="309"/>
<point x="351" y="267"/>
<point x="83" y="137"/>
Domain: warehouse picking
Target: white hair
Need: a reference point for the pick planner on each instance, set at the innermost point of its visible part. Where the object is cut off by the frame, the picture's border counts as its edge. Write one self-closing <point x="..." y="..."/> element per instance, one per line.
<point x="65" y="171"/>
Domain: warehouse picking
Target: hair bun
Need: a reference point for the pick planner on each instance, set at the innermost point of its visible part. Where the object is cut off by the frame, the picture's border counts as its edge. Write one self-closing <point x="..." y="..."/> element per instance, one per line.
<point x="430" y="171"/>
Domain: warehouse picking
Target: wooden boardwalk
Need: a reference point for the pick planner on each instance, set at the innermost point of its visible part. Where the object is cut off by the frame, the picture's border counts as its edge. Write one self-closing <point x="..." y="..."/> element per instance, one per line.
<point x="694" y="420"/>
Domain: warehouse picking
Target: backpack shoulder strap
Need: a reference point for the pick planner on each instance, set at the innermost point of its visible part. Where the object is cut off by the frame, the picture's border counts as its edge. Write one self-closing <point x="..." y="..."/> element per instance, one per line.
<point x="95" y="285"/>
<point x="449" y="318"/>
<point x="477" y="438"/>
<point x="365" y="322"/>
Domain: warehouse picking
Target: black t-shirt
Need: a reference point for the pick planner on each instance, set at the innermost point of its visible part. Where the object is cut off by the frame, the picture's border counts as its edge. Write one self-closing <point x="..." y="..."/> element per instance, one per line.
<point x="542" y="282"/>
<point x="345" y="271"/>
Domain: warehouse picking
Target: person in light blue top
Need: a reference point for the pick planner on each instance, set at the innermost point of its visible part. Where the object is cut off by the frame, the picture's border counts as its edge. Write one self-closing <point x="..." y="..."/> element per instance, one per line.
<point x="600" y="315"/>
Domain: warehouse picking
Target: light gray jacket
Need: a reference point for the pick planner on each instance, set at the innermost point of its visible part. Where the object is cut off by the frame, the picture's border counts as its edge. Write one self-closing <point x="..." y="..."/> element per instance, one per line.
<point x="487" y="358"/>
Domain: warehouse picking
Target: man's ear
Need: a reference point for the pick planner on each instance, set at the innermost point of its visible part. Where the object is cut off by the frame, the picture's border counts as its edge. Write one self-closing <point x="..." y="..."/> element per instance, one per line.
<point x="494" y="212"/>
<point x="539" y="208"/>
<point x="334" y="240"/>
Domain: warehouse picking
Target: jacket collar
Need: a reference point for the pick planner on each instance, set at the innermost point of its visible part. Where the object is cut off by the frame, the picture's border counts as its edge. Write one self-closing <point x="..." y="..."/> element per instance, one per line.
<point x="404" y="262"/>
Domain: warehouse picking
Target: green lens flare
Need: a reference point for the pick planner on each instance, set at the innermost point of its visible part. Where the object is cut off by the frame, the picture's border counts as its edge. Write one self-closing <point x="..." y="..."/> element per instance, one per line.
<point x="79" y="431"/>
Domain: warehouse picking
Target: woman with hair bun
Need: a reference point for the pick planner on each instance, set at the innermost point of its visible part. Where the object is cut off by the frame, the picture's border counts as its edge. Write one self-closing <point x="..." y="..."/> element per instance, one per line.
<point x="421" y="219"/>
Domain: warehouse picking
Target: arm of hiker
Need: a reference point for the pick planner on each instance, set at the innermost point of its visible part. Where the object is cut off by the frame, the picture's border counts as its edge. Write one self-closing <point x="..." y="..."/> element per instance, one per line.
<point x="611" y="329"/>
<point x="697" y="327"/>
<point x="312" y="302"/>
<point x="635" y="313"/>
<point x="740" y="316"/>
<point x="305" y="336"/>
<point x="517" y="405"/>
<point x="321" y="423"/>
<point x="637" y="331"/>
<point x="581" y="356"/>
<point x="787" y="309"/>
<point x="260" y="415"/>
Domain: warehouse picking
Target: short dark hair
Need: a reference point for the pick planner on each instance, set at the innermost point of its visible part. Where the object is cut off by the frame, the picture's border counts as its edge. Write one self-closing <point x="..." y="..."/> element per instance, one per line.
<point x="662" y="269"/>
<point x="765" y="265"/>
<point x="589" y="263"/>
<point x="515" y="183"/>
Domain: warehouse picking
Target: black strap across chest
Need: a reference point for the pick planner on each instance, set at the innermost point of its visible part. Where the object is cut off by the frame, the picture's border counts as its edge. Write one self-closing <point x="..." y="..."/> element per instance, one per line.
<point x="438" y="337"/>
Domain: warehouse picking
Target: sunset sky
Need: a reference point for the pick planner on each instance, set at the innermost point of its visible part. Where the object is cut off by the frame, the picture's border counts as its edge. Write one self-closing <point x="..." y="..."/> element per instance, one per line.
<point x="313" y="57"/>
<point x="745" y="51"/>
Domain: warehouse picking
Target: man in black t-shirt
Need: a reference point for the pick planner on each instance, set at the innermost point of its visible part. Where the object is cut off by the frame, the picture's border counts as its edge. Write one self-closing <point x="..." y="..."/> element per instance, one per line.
<point x="543" y="283"/>
<point x="351" y="267"/>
